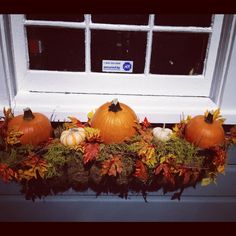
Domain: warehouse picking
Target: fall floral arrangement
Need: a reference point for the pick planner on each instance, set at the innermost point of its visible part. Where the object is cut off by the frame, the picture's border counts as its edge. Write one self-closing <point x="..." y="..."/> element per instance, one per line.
<point x="111" y="152"/>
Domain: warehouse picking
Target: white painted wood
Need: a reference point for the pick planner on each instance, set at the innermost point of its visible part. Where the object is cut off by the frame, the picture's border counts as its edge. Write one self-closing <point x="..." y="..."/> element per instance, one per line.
<point x="19" y="49"/>
<point x="137" y="84"/>
<point x="149" y="45"/>
<point x="228" y="100"/>
<point x="158" y="109"/>
<point x="75" y="25"/>
<point x="122" y="27"/>
<point x="213" y="48"/>
<point x="6" y="77"/>
<point x="4" y="98"/>
<point x="87" y="44"/>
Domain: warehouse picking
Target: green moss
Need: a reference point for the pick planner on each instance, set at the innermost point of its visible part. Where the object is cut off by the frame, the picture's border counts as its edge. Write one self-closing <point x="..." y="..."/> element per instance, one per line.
<point x="185" y="152"/>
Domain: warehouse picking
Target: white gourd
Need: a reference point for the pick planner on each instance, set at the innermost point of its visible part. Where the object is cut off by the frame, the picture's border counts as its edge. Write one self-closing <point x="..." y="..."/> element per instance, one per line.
<point x="73" y="136"/>
<point x="162" y="134"/>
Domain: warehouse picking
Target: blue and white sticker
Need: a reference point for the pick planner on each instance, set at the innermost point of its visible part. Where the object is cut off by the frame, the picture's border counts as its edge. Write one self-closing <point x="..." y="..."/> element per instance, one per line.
<point x="117" y="66"/>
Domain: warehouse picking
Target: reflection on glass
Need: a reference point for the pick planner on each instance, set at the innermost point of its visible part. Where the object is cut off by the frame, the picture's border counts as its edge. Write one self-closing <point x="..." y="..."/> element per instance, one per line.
<point x="56" y="48"/>
<point x="121" y="19"/>
<point x="118" y="45"/>
<point x="56" y="17"/>
<point x="200" y="20"/>
<point x="178" y="53"/>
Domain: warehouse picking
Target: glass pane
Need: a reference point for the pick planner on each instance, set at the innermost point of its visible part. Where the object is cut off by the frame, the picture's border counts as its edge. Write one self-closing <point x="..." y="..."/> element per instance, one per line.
<point x="201" y="20"/>
<point x="56" y="49"/>
<point x="178" y="53"/>
<point x="56" y="17"/>
<point x="118" y="45"/>
<point x="121" y="19"/>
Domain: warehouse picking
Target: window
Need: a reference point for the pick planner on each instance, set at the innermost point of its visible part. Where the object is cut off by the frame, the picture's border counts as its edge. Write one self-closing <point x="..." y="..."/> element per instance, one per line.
<point x="169" y="61"/>
<point x="169" y="55"/>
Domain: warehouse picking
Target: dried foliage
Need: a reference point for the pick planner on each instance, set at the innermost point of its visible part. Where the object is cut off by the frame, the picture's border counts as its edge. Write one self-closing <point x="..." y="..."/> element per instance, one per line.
<point x="139" y="164"/>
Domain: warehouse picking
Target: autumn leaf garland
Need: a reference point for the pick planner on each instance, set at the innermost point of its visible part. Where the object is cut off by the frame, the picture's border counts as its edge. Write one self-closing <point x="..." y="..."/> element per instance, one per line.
<point x="141" y="160"/>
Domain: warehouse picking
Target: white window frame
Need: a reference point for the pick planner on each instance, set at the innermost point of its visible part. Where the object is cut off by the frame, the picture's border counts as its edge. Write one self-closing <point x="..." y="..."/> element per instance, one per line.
<point x="164" y="107"/>
<point x="112" y="83"/>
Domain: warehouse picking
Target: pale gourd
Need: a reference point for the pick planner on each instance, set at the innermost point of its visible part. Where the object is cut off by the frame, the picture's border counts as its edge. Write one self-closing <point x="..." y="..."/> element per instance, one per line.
<point x="162" y="134"/>
<point x="73" y="136"/>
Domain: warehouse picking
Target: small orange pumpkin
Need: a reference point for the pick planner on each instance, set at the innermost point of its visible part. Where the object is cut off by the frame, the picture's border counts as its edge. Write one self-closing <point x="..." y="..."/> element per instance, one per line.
<point x="36" y="127"/>
<point x="116" y="122"/>
<point x="204" y="132"/>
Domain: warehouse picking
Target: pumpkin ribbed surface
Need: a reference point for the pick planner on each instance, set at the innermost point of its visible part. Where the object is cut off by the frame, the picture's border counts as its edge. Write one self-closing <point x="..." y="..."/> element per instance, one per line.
<point x="72" y="136"/>
<point x="203" y="134"/>
<point x="35" y="131"/>
<point x="115" y="126"/>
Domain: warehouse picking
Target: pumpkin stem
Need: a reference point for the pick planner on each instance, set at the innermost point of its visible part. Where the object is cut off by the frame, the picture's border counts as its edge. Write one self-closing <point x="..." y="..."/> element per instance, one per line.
<point x="209" y="118"/>
<point x="164" y="125"/>
<point x="28" y="114"/>
<point x="115" y="106"/>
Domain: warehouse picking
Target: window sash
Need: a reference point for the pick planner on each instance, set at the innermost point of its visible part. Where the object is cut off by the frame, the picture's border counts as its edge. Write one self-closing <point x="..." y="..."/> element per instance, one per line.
<point x="104" y="83"/>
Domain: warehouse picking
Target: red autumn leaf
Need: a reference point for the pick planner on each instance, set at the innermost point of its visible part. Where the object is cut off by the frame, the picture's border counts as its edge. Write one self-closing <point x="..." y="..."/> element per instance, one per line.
<point x="141" y="171"/>
<point x="186" y="174"/>
<point x="6" y="172"/>
<point x="112" y="167"/>
<point x="145" y="124"/>
<point x="166" y="172"/>
<point x="91" y="150"/>
<point x="219" y="157"/>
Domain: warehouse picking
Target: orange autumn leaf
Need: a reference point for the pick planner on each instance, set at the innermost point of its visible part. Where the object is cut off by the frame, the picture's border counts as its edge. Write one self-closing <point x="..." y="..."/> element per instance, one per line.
<point x="141" y="171"/>
<point x="36" y="165"/>
<point x="6" y="172"/>
<point x="91" y="151"/>
<point x="113" y="166"/>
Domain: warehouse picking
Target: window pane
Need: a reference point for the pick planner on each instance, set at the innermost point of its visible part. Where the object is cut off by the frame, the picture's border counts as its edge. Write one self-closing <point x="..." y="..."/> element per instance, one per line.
<point x="178" y="53"/>
<point x="56" y="17"/>
<point x="118" y="45"/>
<point x="121" y="19"/>
<point x="201" y="20"/>
<point x="56" y="49"/>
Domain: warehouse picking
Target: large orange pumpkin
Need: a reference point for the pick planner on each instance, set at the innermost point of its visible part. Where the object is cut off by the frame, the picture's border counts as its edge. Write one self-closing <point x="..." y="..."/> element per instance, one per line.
<point x="204" y="132"/>
<point x="36" y="127"/>
<point x="116" y="122"/>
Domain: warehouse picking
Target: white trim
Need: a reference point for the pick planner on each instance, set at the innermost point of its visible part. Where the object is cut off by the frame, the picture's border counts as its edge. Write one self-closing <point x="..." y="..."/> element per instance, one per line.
<point x="87" y="44"/>
<point x="157" y="109"/>
<point x="7" y="77"/>
<point x="149" y="46"/>
<point x="226" y="62"/>
<point x="123" y="27"/>
<point x="75" y="25"/>
<point x="130" y="84"/>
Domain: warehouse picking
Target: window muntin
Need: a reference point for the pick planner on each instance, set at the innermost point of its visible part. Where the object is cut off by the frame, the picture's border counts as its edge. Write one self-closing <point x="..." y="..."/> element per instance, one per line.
<point x="145" y="84"/>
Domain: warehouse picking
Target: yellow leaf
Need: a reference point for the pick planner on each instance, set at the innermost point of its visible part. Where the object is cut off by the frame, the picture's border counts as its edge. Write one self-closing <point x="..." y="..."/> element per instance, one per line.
<point x="216" y="115"/>
<point x="92" y="134"/>
<point x="221" y="169"/>
<point x="148" y="155"/>
<point x="206" y="181"/>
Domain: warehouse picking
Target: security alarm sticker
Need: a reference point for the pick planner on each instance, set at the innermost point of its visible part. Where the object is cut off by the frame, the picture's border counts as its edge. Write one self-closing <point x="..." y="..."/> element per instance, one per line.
<point x="117" y="66"/>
